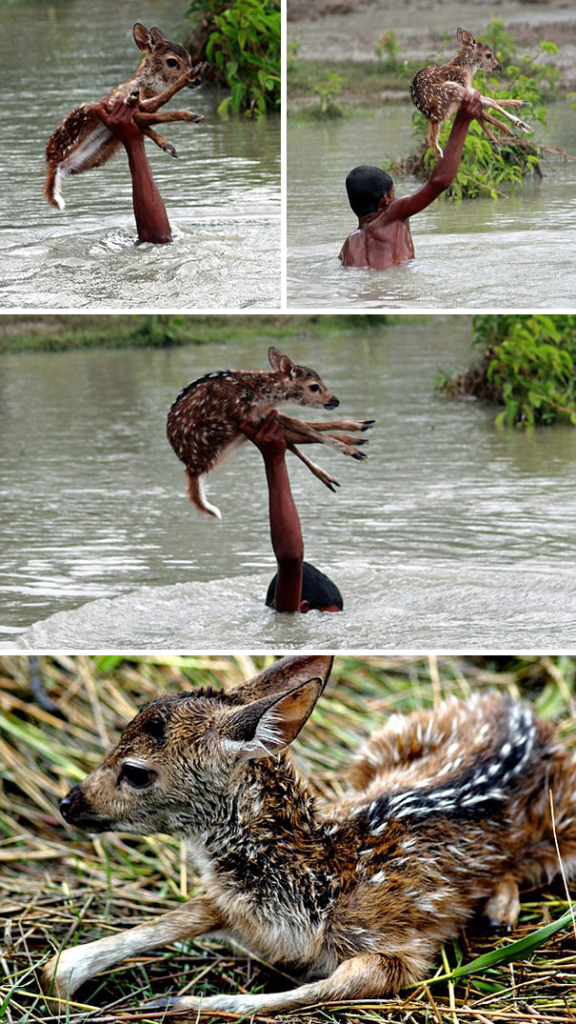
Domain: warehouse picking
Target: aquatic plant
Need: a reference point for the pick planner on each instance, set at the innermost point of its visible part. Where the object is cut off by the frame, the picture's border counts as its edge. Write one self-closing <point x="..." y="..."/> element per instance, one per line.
<point x="484" y="169"/>
<point x="242" y="42"/>
<point x="327" y="92"/>
<point x="527" y="364"/>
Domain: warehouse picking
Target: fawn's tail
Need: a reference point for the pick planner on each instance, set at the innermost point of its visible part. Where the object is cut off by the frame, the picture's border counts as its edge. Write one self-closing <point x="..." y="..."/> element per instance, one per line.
<point x="197" y="496"/>
<point x="53" y="187"/>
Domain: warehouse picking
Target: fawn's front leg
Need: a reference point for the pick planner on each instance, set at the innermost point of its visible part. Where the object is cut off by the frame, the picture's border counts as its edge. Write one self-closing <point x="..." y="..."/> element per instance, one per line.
<point x="369" y="976"/>
<point x="301" y="430"/>
<point x="187" y="78"/>
<point x="488" y="102"/>
<point x="340" y="425"/>
<point x="159" y="140"/>
<point x="68" y="970"/>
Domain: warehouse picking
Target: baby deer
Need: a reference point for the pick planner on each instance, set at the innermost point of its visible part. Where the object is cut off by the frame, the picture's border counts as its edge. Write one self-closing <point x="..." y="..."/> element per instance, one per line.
<point x="82" y="141"/>
<point x="445" y="814"/>
<point x="204" y="421"/>
<point x="438" y="90"/>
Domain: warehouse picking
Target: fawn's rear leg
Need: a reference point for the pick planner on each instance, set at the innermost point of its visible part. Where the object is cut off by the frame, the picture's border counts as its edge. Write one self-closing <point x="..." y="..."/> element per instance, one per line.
<point x="314" y="468"/>
<point x="369" y="976"/>
<point x="68" y="970"/>
<point x="159" y="140"/>
<point x="340" y="425"/>
<point x="503" y="907"/>
<point x="492" y="138"/>
<point x="487" y="102"/>
<point x="144" y="119"/>
<point x="499" y="124"/>
<point x="432" y="138"/>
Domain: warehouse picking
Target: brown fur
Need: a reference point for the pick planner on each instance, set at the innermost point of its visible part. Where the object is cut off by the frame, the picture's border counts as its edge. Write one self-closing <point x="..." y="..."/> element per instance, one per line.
<point x="446" y="814"/>
<point x="165" y="69"/>
<point x="438" y="90"/>
<point x="204" y="423"/>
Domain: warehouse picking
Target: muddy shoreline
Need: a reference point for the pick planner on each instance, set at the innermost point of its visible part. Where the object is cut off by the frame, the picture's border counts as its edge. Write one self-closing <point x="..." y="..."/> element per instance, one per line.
<point x="348" y="30"/>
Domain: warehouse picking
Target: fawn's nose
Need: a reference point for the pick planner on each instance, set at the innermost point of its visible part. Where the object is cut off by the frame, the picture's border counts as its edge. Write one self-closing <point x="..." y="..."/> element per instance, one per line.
<point x="332" y="403"/>
<point x="72" y="804"/>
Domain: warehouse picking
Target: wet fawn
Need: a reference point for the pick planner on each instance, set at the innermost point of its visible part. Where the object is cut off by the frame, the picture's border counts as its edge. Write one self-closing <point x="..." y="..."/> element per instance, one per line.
<point x="204" y="421"/>
<point x="438" y="90"/>
<point x="82" y="141"/>
<point x="446" y="813"/>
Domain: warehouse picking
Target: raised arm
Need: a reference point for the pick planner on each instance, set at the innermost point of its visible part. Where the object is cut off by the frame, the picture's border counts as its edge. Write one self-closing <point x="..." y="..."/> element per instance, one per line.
<point x="149" y="210"/>
<point x="285" y="531"/>
<point x="444" y="170"/>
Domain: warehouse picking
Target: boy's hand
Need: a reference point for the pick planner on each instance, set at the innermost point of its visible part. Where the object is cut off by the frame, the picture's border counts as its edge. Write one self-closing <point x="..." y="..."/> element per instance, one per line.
<point x="118" y="116"/>
<point x="471" y="106"/>
<point x="268" y="436"/>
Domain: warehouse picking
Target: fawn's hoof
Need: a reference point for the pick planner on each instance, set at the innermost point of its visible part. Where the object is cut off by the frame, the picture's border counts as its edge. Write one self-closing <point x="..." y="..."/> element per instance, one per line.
<point x="367" y="424"/>
<point x="359" y="455"/>
<point x="169" y="148"/>
<point x="195" y="118"/>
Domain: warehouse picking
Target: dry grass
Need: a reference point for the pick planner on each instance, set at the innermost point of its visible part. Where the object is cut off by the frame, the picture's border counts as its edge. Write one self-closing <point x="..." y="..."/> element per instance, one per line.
<point x="58" y="887"/>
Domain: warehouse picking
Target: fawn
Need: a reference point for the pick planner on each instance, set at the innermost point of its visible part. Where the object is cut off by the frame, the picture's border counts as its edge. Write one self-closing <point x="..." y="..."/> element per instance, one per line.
<point x="204" y="421"/>
<point x="445" y="814"/>
<point x="438" y="90"/>
<point x="82" y="141"/>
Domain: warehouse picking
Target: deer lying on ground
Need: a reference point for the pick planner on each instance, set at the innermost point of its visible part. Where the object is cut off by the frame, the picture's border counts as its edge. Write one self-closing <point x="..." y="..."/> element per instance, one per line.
<point x="82" y="141"/>
<point x="438" y="90"/>
<point x="204" y="423"/>
<point x="446" y="813"/>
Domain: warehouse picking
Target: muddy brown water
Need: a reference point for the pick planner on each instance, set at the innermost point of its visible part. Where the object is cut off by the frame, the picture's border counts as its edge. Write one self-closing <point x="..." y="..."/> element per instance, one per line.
<point x="453" y="534"/>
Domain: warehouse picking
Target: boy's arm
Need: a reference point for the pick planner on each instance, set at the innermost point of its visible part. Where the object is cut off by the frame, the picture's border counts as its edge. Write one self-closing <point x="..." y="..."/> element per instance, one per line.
<point x="149" y="210"/>
<point x="285" y="531"/>
<point x="444" y="170"/>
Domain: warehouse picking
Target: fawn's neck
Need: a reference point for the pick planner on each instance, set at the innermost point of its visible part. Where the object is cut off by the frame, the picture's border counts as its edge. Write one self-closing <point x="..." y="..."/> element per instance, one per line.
<point x="467" y="62"/>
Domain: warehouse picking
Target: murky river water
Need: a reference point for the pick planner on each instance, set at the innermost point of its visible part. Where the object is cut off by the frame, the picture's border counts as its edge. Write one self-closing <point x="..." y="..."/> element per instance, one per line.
<point x="222" y="194"/>
<point x="517" y="252"/>
<point x="454" y="534"/>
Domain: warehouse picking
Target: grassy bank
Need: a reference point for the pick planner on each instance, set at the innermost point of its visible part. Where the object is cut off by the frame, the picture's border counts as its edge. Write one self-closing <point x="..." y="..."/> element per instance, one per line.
<point x="22" y="333"/>
<point x="361" y="84"/>
<point x="60" y="887"/>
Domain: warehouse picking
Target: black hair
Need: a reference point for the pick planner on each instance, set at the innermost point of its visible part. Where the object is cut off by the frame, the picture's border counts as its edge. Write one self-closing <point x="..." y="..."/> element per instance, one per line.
<point x="319" y="591"/>
<point x="366" y="186"/>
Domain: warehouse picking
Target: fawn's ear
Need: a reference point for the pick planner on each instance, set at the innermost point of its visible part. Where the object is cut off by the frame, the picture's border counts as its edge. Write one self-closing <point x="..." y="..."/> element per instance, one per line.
<point x="264" y="727"/>
<point x="286" y="674"/>
<point x="157" y="35"/>
<point x="142" y="38"/>
<point x="465" y="37"/>
<point x="274" y="357"/>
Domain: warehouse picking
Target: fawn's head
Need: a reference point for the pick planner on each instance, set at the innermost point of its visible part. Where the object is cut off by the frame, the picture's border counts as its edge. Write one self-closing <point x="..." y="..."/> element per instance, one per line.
<point x="164" y="62"/>
<point x="475" y="54"/>
<point x="180" y="761"/>
<point x="299" y="383"/>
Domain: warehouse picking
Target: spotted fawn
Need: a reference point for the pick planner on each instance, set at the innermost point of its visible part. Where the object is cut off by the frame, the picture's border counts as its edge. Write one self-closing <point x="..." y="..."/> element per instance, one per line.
<point x="82" y="141"/>
<point x="444" y="815"/>
<point x="204" y="421"/>
<point x="438" y="90"/>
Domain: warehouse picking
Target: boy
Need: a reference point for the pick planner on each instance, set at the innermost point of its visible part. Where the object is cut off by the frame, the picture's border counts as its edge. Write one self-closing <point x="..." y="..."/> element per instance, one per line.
<point x="383" y="235"/>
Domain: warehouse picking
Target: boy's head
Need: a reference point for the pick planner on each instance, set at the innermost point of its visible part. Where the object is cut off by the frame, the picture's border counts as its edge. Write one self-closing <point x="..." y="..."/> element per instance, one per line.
<point x="366" y="186"/>
<point x="318" y="592"/>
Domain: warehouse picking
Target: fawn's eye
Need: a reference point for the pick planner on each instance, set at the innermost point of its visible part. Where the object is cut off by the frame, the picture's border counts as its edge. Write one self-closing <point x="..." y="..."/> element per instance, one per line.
<point x="172" y="62"/>
<point x="137" y="777"/>
<point x="313" y="387"/>
<point x="489" y="55"/>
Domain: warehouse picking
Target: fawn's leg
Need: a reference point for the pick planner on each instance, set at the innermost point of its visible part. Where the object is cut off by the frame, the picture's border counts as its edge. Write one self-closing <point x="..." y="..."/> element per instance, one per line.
<point x="487" y="102"/>
<point x="302" y="430"/>
<point x="67" y="971"/>
<point x="503" y="907"/>
<point x="368" y="976"/>
<point x="155" y="102"/>
<point x="432" y="138"/>
<point x="340" y="425"/>
<point x="495" y="121"/>
<point x="487" y="131"/>
<point x="322" y="475"/>
<point x="159" y="140"/>
<point x="145" y="119"/>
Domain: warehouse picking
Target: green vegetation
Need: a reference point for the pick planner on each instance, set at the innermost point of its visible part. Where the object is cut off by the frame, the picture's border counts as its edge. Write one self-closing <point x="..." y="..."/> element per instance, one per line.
<point x="361" y="82"/>
<point x="527" y="364"/>
<point x="27" y="333"/>
<point x="60" y="886"/>
<point x="327" y="92"/>
<point x="387" y="50"/>
<point x="486" y="170"/>
<point x="242" y="42"/>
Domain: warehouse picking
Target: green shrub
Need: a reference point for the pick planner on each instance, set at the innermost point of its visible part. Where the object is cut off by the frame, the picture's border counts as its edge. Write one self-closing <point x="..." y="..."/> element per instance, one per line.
<point x="327" y="91"/>
<point x="527" y="364"/>
<point x="388" y="45"/>
<point x="484" y="169"/>
<point x="242" y="42"/>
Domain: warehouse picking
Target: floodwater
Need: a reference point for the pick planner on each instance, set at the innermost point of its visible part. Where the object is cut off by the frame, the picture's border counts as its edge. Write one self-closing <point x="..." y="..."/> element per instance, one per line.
<point x="222" y="194"/>
<point x="453" y="535"/>
<point x="516" y="252"/>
